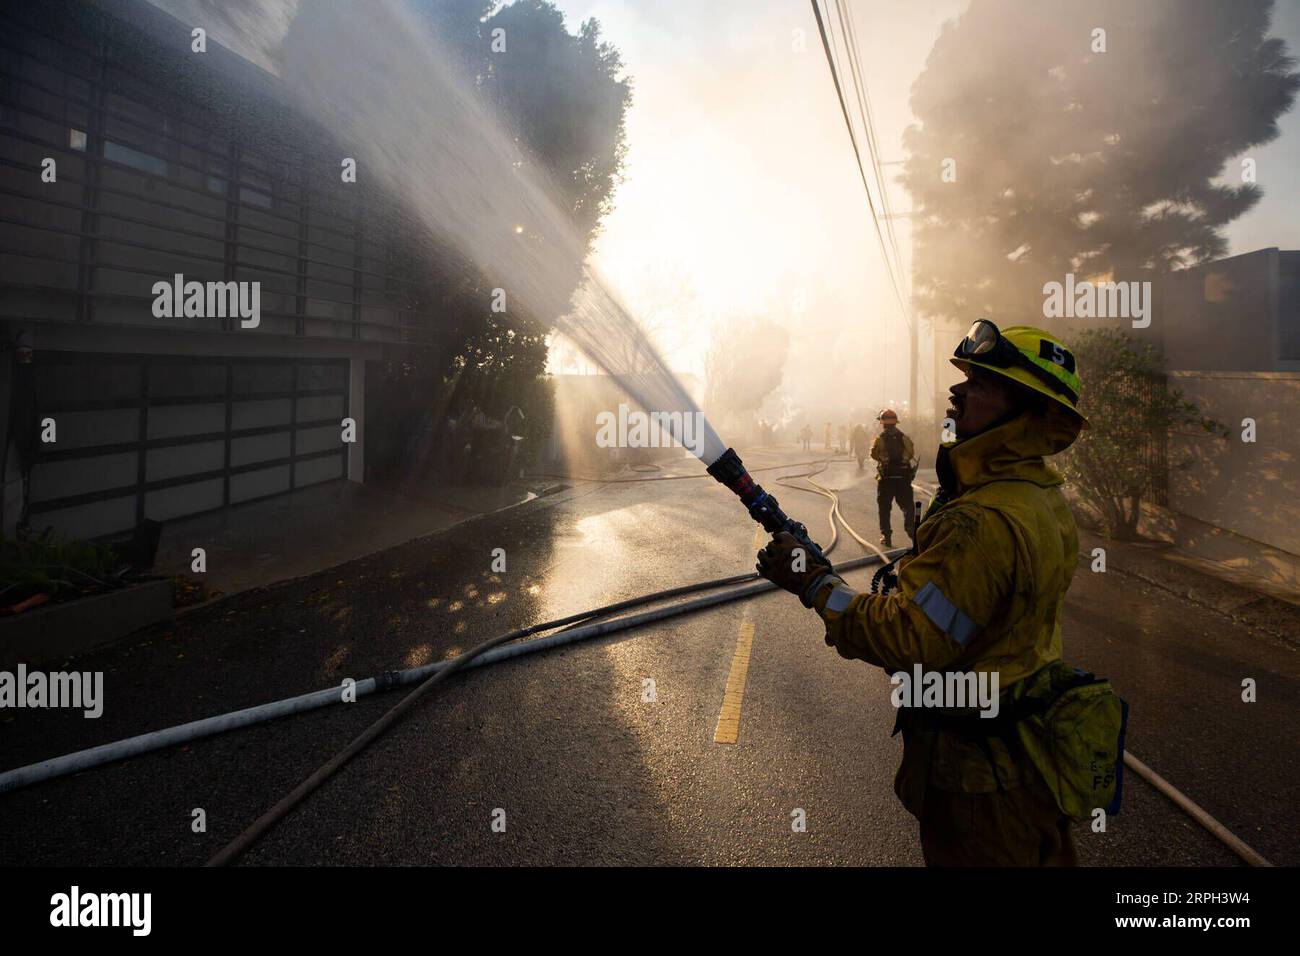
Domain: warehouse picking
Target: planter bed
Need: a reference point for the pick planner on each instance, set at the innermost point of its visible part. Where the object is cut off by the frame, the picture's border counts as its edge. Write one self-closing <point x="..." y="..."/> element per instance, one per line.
<point x="58" y="631"/>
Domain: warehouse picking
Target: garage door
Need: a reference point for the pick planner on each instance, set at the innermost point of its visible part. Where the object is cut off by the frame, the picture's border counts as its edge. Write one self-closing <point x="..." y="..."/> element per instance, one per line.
<point x="166" y="437"/>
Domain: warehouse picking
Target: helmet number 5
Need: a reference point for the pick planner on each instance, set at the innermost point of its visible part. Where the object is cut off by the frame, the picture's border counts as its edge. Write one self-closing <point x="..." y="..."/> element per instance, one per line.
<point x="1058" y="354"/>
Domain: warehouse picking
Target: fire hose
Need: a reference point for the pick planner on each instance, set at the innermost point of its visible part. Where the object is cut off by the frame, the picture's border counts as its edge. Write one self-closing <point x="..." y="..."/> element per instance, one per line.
<point x="575" y="627"/>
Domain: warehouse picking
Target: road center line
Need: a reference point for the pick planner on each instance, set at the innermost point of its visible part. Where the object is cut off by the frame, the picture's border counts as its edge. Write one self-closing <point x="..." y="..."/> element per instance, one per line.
<point x="728" y="729"/>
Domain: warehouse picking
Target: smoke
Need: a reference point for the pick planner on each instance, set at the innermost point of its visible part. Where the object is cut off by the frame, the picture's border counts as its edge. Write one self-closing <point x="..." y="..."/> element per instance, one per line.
<point x="390" y="93"/>
<point x="253" y="29"/>
<point x="1094" y="139"/>
<point x="745" y="364"/>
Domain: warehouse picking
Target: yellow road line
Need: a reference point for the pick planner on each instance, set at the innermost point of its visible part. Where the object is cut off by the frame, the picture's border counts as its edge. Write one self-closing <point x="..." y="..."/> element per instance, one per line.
<point x="760" y="538"/>
<point x="728" y="728"/>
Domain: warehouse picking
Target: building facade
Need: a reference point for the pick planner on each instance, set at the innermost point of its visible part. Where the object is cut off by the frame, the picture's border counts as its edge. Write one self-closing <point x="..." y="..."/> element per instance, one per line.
<point x="1231" y="339"/>
<point x="1229" y="331"/>
<point x="170" y="163"/>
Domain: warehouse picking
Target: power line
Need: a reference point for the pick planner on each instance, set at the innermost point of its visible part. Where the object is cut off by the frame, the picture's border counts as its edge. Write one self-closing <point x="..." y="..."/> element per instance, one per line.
<point x="850" y="53"/>
<point x="893" y="266"/>
<point x="854" y="52"/>
<point x="857" y="153"/>
<point x="848" y="35"/>
<point x="864" y="101"/>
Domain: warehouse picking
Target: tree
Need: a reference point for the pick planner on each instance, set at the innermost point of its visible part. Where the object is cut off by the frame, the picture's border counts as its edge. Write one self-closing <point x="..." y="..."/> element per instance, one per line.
<point x="561" y="93"/>
<point x="1057" y="137"/>
<point x="563" y="99"/>
<point x="1129" y="408"/>
<point x="745" y="362"/>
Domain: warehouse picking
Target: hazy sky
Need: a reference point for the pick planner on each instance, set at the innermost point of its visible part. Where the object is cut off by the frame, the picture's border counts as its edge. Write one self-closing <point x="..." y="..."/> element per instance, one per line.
<point x="741" y="187"/>
<point x="741" y="192"/>
<point x="1276" y="220"/>
<point x="742" y="196"/>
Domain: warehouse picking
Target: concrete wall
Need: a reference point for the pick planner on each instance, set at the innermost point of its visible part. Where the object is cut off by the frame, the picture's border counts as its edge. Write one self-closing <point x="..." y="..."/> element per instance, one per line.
<point x="1241" y="313"/>
<point x="1252" y="490"/>
<point x="1223" y="316"/>
<point x="1288" y="304"/>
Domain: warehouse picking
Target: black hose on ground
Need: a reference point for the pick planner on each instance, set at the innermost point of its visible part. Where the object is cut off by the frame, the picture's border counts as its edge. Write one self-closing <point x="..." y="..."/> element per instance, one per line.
<point x="240" y="844"/>
<point x="233" y="850"/>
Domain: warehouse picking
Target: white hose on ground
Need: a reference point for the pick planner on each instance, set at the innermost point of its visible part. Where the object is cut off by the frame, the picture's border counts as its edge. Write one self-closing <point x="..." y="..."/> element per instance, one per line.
<point x="170" y="736"/>
<point x="221" y="723"/>
<point x="1195" y="811"/>
<point x="210" y="726"/>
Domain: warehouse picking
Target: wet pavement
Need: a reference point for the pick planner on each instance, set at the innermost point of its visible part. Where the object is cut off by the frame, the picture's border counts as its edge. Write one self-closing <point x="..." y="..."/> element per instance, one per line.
<point x="587" y="766"/>
<point x="318" y="527"/>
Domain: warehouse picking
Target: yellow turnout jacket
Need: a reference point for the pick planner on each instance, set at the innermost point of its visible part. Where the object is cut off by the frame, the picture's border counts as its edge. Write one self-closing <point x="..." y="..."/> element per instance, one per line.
<point x="983" y="593"/>
<point x="880" y="456"/>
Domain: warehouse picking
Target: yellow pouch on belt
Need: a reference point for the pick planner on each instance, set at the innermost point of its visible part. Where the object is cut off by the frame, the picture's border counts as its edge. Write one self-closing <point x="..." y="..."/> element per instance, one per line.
<point x="1071" y="726"/>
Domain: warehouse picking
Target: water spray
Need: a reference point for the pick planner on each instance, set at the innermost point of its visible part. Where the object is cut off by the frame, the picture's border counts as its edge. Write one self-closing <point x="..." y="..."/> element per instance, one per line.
<point x="763" y="508"/>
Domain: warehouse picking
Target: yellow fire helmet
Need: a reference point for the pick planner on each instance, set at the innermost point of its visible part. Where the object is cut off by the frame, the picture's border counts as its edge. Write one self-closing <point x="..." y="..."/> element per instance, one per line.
<point x="1026" y="355"/>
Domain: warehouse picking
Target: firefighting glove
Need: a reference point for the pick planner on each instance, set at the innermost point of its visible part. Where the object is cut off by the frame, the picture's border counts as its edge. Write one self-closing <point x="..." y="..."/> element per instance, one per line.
<point x="789" y="565"/>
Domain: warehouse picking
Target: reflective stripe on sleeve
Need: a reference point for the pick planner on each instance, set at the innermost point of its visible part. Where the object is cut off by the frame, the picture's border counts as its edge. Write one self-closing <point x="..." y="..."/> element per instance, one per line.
<point x="840" y="598"/>
<point x="946" y="616"/>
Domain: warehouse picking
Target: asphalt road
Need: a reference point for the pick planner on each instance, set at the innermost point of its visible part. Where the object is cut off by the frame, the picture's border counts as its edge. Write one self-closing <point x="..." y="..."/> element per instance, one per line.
<point x="566" y="747"/>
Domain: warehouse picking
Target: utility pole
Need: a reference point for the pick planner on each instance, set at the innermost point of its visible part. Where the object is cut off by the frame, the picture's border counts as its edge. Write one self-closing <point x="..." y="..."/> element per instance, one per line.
<point x="911" y="380"/>
<point x="914" y="325"/>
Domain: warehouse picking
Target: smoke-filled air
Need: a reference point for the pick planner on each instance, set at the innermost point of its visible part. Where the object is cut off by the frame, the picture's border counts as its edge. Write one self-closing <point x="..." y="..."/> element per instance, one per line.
<point x="380" y="81"/>
<point x="665" y="414"/>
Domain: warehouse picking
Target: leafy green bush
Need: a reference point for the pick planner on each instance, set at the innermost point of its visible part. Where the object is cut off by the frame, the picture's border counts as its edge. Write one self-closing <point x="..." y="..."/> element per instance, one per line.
<point x="32" y="564"/>
<point x="1129" y="406"/>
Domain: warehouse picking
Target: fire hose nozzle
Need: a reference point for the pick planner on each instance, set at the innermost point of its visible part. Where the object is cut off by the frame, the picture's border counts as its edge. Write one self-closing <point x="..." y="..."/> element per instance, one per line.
<point x="730" y="471"/>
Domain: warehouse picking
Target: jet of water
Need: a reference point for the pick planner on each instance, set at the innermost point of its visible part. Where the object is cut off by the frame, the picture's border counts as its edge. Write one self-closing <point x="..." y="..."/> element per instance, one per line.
<point x="374" y="75"/>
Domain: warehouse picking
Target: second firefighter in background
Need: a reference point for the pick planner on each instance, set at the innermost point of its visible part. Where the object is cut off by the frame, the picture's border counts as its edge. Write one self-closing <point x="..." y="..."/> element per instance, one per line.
<point x="896" y="465"/>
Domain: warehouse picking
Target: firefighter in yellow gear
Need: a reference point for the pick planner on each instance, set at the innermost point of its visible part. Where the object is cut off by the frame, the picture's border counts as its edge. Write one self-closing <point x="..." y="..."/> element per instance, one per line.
<point x="860" y="444"/>
<point x="895" y="460"/>
<point x="982" y="593"/>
